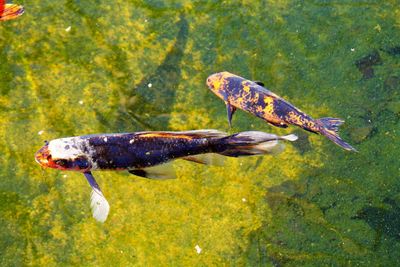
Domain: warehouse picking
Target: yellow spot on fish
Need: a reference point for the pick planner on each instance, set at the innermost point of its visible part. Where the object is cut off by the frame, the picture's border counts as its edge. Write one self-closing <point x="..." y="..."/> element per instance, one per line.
<point x="256" y="96"/>
<point x="246" y="87"/>
<point x="269" y="105"/>
<point x="217" y="84"/>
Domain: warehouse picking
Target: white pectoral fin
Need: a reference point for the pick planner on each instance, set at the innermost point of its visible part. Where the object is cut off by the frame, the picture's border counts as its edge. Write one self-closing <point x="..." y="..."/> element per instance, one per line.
<point x="98" y="203"/>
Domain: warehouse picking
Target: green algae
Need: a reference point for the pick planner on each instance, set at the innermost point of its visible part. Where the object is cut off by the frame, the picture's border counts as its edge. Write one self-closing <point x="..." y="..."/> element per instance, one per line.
<point x="314" y="204"/>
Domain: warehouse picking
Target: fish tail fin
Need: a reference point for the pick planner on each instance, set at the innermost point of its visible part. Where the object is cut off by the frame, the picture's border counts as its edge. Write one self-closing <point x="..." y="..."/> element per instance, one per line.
<point x="253" y="143"/>
<point x="329" y="127"/>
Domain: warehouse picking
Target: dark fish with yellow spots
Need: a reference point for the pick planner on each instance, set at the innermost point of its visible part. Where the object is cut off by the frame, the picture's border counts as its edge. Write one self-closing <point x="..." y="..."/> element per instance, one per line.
<point x="254" y="98"/>
<point x="10" y="11"/>
<point x="139" y="153"/>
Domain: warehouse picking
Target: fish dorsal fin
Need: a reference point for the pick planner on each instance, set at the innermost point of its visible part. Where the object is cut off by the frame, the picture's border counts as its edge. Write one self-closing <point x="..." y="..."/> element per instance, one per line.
<point x="159" y="172"/>
<point x="207" y="159"/>
<point x="194" y="134"/>
<point x="259" y="83"/>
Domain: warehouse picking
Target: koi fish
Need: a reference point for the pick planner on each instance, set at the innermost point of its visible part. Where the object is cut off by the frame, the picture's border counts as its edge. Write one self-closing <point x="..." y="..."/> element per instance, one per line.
<point x="140" y="153"/>
<point x="10" y="11"/>
<point x="253" y="97"/>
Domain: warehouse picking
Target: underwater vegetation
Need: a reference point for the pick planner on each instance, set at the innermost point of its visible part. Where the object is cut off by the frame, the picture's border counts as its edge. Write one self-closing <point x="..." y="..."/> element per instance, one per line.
<point x="70" y="68"/>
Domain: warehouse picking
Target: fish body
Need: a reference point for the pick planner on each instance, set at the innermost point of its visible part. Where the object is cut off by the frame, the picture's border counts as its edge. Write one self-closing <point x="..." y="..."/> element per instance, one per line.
<point x="140" y="152"/>
<point x="10" y="11"/>
<point x="123" y="151"/>
<point x="253" y="97"/>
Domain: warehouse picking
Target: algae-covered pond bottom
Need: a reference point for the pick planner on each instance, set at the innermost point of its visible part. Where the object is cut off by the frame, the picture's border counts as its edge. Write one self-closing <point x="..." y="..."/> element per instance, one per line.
<point x="73" y="68"/>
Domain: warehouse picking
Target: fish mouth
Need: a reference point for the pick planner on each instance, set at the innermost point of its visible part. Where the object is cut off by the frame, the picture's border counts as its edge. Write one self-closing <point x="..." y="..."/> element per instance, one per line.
<point x="42" y="156"/>
<point x="211" y="80"/>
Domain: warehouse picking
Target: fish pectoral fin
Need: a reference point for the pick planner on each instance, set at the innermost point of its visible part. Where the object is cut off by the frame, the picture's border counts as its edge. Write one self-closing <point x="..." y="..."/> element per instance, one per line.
<point x="259" y="83"/>
<point x="230" y="110"/>
<point x="98" y="203"/>
<point x="160" y="172"/>
<point x="207" y="159"/>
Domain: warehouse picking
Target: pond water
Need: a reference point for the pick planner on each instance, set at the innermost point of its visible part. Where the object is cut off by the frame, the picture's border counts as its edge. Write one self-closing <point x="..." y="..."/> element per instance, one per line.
<point x="82" y="67"/>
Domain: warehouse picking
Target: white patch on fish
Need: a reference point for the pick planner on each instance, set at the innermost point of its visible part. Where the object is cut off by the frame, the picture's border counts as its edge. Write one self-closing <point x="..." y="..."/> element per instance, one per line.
<point x="70" y="148"/>
<point x="65" y="148"/>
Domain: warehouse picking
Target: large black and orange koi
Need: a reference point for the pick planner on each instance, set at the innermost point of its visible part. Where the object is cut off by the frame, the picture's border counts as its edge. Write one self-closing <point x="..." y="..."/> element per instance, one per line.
<point x="140" y="152"/>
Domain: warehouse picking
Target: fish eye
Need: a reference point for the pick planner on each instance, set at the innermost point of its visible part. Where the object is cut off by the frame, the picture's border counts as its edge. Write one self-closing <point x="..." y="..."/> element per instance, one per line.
<point x="61" y="162"/>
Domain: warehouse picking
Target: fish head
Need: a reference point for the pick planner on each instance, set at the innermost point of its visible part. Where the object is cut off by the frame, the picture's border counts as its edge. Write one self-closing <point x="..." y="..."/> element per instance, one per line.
<point x="54" y="156"/>
<point x="217" y="84"/>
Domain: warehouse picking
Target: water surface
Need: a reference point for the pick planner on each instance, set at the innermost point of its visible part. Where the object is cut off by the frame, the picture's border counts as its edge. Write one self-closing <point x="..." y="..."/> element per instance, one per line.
<point x="81" y="67"/>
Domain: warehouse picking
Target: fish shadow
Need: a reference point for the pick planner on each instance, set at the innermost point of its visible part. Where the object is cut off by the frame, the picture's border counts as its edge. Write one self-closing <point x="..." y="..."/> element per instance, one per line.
<point x="365" y="65"/>
<point x="151" y="101"/>
<point x="384" y="221"/>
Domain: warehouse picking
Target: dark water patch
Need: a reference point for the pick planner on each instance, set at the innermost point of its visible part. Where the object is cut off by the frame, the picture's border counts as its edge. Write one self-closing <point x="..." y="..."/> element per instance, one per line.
<point x="290" y="188"/>
<point x="303" y="143"/>
<point x="392" y="85"/>
<point x="365" y="64"/>
<point x="360" y="134"/>
<point x="393" y="51"/>
<point x="270" y="244"/>
<point x="384" y="221"/>
<point x="258" y="255"/>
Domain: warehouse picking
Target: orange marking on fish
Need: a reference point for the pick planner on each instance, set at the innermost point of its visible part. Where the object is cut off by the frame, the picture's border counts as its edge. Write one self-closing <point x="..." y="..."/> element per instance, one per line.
<point x="167" y="135"/>
<point x="10" y="11"/>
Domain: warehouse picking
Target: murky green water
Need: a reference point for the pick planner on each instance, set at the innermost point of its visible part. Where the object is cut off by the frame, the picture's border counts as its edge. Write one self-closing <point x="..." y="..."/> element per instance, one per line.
<point x="79" y="67"/>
